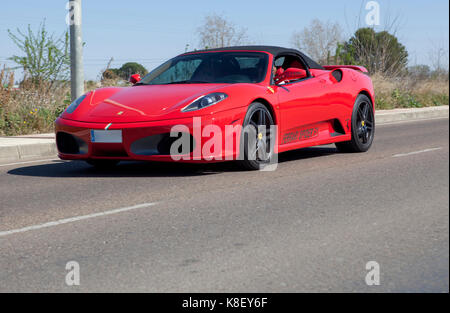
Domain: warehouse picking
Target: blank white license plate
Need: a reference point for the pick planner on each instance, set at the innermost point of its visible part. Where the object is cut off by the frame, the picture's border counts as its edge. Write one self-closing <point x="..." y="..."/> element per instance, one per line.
<point x="106" y="136"/>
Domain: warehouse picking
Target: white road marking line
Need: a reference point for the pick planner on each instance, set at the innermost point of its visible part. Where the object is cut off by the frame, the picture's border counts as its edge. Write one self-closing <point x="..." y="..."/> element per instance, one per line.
<point x="74" y="219"/>
<point x="415" y="152"/>
<point x="27" y="162"/>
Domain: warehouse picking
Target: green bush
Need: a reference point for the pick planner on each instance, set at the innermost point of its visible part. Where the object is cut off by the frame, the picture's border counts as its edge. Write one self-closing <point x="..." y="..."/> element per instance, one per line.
<point x="125" y="71"/>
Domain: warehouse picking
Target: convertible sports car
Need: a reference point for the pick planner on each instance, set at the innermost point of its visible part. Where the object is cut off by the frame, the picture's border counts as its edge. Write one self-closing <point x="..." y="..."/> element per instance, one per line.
<point x="272" y="99"/>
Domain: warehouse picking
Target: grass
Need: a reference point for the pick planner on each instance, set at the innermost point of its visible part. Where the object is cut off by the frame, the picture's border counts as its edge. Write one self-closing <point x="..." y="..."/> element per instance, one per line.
<point x="393" y="93"/>
<point x="34" y="107"/>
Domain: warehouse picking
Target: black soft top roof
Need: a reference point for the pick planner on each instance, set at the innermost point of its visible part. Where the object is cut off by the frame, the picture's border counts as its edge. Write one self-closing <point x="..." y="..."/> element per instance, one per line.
<point x="274" y="50"/>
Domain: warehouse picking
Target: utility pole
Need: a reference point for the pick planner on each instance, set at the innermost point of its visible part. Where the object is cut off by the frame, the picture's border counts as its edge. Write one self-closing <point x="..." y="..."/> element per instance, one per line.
<point x="76" y="50"/>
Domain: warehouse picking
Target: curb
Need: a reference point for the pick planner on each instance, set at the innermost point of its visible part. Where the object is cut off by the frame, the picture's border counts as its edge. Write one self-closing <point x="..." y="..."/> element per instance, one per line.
<point x="27" y="151"/>
<point x="397" y="115"/>
<point x="22" y="148"/>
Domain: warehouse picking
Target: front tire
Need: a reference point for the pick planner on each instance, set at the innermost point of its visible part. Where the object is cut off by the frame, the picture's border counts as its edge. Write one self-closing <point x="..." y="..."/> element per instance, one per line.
<point x="257" y="140"/>
<point x="363" y="127"/>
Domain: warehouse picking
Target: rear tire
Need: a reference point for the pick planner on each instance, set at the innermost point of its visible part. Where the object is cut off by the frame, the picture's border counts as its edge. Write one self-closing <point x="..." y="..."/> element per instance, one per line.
<point x="103" y="164"/>
<point x="363" y="127"/>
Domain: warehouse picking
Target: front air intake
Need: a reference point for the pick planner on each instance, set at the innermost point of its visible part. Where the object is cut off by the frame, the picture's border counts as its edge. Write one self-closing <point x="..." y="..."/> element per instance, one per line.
<point x="160" y="144"/>
<point x="69" y="144"/>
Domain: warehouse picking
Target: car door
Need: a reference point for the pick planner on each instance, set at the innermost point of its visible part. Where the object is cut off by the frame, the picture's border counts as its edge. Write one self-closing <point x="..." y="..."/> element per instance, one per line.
<point x="303" y="105"/>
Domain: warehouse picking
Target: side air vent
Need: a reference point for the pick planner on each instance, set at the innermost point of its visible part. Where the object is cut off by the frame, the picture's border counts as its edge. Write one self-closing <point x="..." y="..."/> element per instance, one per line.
<point x="338" y="129"/>
<point x="337" y="74"/>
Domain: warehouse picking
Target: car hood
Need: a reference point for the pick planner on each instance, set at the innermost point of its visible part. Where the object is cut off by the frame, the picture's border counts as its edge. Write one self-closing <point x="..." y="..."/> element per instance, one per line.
<point x="139" y="103"/>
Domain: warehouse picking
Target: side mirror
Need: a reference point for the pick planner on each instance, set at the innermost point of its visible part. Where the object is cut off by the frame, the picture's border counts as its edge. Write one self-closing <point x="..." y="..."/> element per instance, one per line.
<point x="291" y="74"/>
<point x="135" y="78"/>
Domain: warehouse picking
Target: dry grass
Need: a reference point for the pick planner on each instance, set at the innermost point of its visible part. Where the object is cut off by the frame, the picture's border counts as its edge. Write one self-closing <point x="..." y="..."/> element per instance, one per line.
<point x="405" y="92"/>
<point x="32" y="108"/>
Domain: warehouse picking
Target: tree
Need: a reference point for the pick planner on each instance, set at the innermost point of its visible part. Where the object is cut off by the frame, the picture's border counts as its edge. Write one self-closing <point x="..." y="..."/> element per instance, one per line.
<point x="125" y="71"/>
<point x="319" y="40"/>
<point x="379" y="52"/>
<point x="217" y="32"/>
<point x="111" y="73"/>
<point x="46" y="58"/>
<point x="131" y="68"/>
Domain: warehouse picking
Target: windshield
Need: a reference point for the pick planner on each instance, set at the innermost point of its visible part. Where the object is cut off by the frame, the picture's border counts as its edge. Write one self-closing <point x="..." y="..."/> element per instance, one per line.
<point x="210" y="67"/>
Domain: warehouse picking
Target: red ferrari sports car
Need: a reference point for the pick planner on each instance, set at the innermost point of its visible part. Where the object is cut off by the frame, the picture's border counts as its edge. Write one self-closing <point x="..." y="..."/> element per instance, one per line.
<point x="238" y="103"/>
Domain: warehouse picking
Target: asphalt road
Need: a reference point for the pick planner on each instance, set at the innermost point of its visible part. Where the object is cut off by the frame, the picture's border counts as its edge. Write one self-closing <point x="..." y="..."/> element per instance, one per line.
<point x="311" y="225"/>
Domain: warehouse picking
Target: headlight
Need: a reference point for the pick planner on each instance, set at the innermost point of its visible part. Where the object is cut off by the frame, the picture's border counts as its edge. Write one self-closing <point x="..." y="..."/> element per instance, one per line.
<point x="205" y="101"/>
<point x="72" y="107"/>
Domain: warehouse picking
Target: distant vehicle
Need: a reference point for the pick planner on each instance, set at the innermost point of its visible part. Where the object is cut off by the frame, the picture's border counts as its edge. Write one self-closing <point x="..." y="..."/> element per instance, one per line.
<point x="250" y="86"/>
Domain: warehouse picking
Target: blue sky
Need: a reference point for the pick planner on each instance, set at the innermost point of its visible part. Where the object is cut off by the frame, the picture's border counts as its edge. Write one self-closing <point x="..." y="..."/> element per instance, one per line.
<point x="150" y="31"/>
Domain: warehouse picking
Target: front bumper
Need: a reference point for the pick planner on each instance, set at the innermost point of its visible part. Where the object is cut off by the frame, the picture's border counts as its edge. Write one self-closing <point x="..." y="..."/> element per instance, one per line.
<point x="74" y="139"/>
